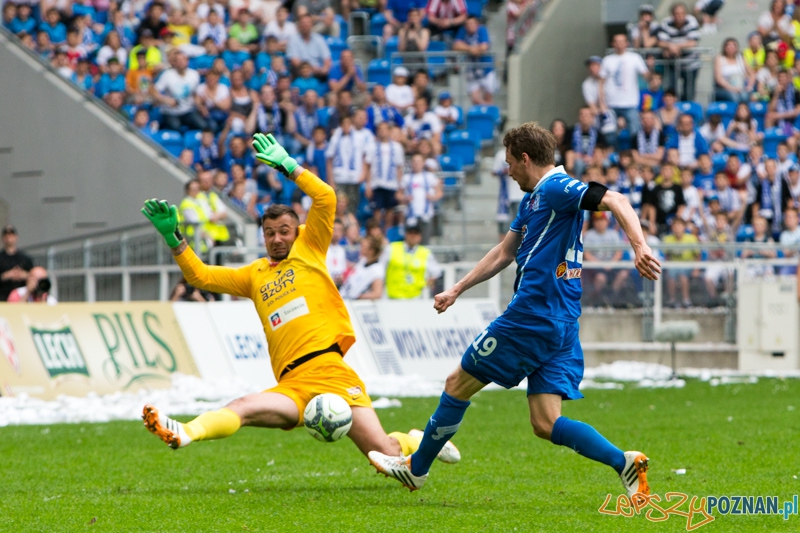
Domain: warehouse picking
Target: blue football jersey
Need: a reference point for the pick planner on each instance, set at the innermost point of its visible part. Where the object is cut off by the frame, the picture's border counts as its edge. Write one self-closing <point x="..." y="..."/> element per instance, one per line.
<point x="549" y="258"/>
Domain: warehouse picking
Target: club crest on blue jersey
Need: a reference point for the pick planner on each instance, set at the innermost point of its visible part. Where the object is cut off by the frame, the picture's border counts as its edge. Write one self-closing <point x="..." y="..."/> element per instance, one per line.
<point x="562" y="272"/>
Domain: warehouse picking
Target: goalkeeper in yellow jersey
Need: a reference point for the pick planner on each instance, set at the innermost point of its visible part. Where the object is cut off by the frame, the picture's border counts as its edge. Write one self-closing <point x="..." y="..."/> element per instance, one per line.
<point x="305" y="321"/>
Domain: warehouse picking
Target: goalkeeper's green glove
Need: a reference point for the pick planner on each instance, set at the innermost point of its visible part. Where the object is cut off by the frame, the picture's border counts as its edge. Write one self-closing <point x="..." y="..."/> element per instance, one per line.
<point x="165" y="218"/>
<point x="273" y="154"/>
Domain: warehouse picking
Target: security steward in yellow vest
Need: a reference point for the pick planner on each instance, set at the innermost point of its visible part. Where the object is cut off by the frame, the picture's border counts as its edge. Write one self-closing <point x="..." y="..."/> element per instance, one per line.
<point x="409" y="266"/>
<point x="193" y="216"/>
<point x="213" y="205"/>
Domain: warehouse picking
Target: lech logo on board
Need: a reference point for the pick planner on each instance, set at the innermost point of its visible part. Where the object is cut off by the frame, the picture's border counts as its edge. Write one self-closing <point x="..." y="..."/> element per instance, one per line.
<point x="59" y="351"/>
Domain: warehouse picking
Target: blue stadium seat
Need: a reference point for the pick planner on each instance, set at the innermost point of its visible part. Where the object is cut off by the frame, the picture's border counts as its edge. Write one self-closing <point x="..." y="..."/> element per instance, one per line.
<point x="263" y="62"/>
<point x="772" y="138"/>
<point x="475" y="8"/>
<point x="464" y="145"/>
<point x="344" y="28"/>
<point x="172" y="141"/>
<point x="379" y="72"/>
<point x="724" y="109"/>
<point x="692" y="108"/>
<point x="324" y="116"/>
<point x="376" y="24"/>
<point x="191" y="139"/>
<point x="390" y="47"/>
<point x="336" y="46"/>
<point x="481" y="120"/>
<point x="718" y="161"/>
<point x="436" y="64"/>
<point x="758" y="110"/>
<point x="450" y="163"/>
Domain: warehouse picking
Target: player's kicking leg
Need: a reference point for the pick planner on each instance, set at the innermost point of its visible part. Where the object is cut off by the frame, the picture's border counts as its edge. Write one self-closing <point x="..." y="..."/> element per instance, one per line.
<point x="412" y="470"/>
<point x="263" y="409"/>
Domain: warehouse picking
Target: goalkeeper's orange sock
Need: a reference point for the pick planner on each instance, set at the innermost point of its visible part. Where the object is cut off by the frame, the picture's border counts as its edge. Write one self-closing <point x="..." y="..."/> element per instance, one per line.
<point x="213" y="425"/>
<point x="408" y="443"/>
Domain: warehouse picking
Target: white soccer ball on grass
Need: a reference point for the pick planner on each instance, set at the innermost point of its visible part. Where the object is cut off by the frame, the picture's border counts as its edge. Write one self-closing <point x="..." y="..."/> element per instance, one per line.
<point x="327" y="417"/>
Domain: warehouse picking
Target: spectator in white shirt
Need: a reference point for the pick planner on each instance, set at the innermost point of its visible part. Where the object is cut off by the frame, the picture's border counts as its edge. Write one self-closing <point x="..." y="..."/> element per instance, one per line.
<point x="335" y="258"/>
<point x="591" y="85"/>
<point x="619" y="82"/>
<point x="420" y="190"/>
<point x="776" y="24"/>
<point x="213" y="28"/>
<point x="509" y="197"/>
<point x="366" y="280"/>
<point x="281" y="28"/>
<point x="174" y="90"/>
<point x="399" y="94"/>
<point x="421" y="124"/>
<point x="382" y="174"/>
<point x="446" y="111"/>
<point x="344" y="160"/>
<point x="308" y="46"/>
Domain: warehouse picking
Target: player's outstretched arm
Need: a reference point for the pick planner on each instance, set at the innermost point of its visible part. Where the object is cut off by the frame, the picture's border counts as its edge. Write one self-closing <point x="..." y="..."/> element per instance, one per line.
<point x="496" y="260"/>
<point x="319" y="222"/>
<point x="213" y="278"/>
<point x="646" y="263"/>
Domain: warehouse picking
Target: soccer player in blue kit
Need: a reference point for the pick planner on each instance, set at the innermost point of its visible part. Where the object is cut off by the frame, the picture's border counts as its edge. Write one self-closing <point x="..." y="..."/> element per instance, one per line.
<point x="537" y="335"/>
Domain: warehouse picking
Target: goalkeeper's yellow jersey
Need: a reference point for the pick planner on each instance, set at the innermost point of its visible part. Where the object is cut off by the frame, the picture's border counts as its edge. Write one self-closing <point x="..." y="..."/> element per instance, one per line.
<point x="298" y="303"/>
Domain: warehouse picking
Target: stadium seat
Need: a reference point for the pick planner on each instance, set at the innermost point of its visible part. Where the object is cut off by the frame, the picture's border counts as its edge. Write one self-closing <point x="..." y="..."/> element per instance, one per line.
<point x="376" y="24"/>
<point x="390" y="47"/>
<point x="263" y="62"/>
<point x="336" y="46"/>
<point x="724" y="109"/>
<point x="450" y="163"/>
<point x="772" y="138"/>
<point x="758" y="110"/>
<point x="437" y="63"/>
<point x="171" y="141"/>
<point x="475" y="8"/>
<point x="718" y="161"/>
<point x="482" y="120"/>
<point x="694" y="109"/>
<point x="344" y="27"/>
<point x="464" y="145"/>
<point x="324" y="116"/>
<point x="191" y="139"/>
<point x="379" y="72"/>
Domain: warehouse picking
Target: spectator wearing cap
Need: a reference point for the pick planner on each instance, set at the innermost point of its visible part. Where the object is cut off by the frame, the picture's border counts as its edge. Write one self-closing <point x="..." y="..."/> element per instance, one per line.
<point x="152" y="21"/>
<point x="322" y="16"/>
<point x="14" y="264"/>
<point x="601" y="234"/>
<point x="776" y="24"/>
<point x="413" y="36"/>
<point x="591" y="85"/>
<point x="346" y="75"/>
<point x="644" y="33"/>
<point x="447" y="112"/>
<point x="421" y="123"/>
<point x="281" y="28"/>
<point x="399" y="94"/>
<point x="53" y="26"/>
<point x="113" y="81"/>
<point x="309" y="46"/>
<point x="152" y="56"/>
<point x="410" y="266"/>
<point x="213" y="28"/>
<point x="82" y="77"/>
<point x="396" y="14"/>
<point x="446" y="16"/>
<point x="419" y="192"/>
<point x="676" y="35"/>
<point x="23" y="22"/>
<point x="619" y="82"/>
<point x="473" y="38"/>
<point x="174" y="90"/>
<point x="379" y="110"/>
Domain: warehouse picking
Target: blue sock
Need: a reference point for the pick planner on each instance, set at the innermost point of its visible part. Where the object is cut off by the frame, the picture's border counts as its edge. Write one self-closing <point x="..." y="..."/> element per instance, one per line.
<point x="441" y="427"/>
<point x="585" y="440"/>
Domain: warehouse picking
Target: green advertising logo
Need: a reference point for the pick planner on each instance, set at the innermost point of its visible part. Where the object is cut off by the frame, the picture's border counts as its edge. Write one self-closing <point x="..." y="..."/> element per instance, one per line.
<point x="59" y="351"/>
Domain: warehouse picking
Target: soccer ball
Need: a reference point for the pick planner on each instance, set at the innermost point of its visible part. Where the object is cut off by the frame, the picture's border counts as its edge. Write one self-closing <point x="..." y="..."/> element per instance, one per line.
<point x="327" y="417"/>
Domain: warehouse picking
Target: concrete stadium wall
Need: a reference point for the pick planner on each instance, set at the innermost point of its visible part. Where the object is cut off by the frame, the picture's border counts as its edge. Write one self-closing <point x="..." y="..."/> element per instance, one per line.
<point x="67" y="167"/>
<point x="544" y="78"/>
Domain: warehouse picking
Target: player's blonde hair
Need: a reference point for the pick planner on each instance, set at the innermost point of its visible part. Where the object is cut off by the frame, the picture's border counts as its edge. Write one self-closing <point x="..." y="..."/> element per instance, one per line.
<point x="534" y="140"/>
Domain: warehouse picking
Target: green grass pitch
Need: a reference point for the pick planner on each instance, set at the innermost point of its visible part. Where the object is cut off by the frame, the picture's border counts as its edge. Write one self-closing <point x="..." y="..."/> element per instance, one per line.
<point x="731" y="439"/>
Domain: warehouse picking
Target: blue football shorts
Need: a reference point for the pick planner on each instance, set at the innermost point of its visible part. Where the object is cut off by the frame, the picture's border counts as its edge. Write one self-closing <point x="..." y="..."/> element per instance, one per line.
<point x="546" y="351"/>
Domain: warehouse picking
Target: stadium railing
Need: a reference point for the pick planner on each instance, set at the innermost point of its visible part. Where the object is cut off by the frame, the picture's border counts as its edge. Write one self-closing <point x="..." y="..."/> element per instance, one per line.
<point x="526" y="21"/>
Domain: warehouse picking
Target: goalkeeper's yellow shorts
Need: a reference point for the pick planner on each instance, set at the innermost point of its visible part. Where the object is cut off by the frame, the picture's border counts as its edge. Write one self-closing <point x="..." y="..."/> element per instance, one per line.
<point x="325" y="373"/>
